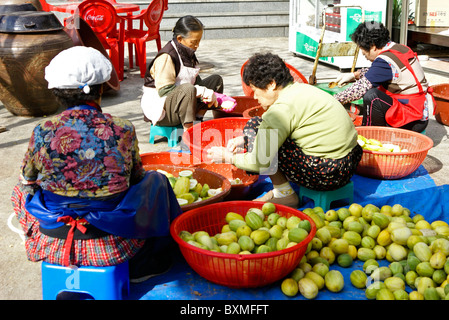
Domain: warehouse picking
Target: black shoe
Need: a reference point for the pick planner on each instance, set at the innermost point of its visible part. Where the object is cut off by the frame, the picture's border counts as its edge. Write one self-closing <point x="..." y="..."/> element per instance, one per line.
<point x="158" y="266"/>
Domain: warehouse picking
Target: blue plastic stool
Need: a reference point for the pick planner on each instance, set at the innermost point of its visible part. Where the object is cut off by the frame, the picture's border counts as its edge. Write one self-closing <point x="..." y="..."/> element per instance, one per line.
<point x="171" y="133"/>
<point x="98" y="283"/>
<point x="324" y="199"/>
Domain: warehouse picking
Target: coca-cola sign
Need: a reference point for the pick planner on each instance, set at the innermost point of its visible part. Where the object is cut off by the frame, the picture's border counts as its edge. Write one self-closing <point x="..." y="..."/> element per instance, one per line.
<point x="95" y="17"/>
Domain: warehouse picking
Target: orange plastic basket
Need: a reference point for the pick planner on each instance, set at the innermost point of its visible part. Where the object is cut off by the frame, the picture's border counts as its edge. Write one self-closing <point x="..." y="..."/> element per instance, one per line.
<point x="212" y="133"/>
<point x="236" y="270"/>
<point x="393" y="165"/>
<point x="441" y="95"/>
<point x="168" y="158"/>
<point x="214" y="180"/>
<point x="297" y="77"/>
<point x="243" y="103"/>
<point x="229" y="171"/>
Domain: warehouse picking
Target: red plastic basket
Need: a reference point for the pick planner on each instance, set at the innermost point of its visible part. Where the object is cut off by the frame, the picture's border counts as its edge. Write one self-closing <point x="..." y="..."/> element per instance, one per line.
<point x="297" y="77"/>
<point x="212" y="133"/>
<point x="236" y="270"/>
<point x="214" y="180"/>
<point x="243" y="103"/>
<point x="441" y="95"/>
<point x="229" y="171"/>
<point x="393" y="165"/>
<point x="168" y="158"/>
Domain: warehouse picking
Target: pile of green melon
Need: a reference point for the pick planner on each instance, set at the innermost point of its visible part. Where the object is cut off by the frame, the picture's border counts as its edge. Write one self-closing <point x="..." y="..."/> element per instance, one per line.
<point x="417" y="251"/>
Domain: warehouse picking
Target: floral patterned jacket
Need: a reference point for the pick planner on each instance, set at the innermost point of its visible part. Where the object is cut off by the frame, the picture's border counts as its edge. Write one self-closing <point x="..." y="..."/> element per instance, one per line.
<point x="83" y="152"/>
<point x="357" y="90"/>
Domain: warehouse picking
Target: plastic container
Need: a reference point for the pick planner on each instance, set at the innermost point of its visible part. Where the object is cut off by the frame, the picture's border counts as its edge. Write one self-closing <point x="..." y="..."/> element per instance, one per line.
<point x="246" y="181"/>
<point x="297" y="77"/>
<point x="243" y="103"/>
<point x="441" y="95"/>
<point x="237" y="270"/>
<point x="212" y="133"/>
<point x="214" y="180"/>
<point x="229" y="171"/>
<point x="167" y="158"/>
<point x="393" y="165"/>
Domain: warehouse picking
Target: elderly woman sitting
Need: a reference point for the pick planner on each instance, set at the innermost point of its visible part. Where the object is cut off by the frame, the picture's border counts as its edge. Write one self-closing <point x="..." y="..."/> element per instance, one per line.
<point x="83" y="197"/>
<point x="305" y="136"/>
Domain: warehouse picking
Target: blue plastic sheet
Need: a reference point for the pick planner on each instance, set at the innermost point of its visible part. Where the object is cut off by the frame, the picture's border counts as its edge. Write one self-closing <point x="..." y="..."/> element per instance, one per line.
<point x="417" y="192"/>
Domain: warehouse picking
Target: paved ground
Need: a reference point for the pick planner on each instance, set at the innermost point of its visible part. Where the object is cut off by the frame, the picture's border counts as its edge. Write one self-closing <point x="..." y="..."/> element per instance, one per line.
<point x="19" y="278"/>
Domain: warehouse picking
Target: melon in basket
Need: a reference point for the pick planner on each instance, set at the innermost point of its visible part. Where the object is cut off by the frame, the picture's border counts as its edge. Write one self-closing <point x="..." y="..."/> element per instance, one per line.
<point x="218" y="186"/>
<point x="237" y="270"/>
<point x="392" y="165"/>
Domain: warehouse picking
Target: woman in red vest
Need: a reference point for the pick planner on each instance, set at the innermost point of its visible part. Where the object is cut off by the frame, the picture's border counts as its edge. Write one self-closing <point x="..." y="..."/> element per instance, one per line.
<point x="394" y="89"/>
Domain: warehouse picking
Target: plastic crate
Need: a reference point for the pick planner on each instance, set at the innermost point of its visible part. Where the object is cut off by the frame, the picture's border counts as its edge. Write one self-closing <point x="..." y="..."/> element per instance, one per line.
<point x="393" y="165"/>
<point x="237" y="270"/>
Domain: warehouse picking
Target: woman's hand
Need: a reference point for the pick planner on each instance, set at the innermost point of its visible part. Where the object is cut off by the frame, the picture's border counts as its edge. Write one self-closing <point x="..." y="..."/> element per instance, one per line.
<point x="207" y="96"/>
<point x="345" y="78"/>
<point x="220" y="155"/>
<point x="211" y="101"/>
<point x="236" y="145"/>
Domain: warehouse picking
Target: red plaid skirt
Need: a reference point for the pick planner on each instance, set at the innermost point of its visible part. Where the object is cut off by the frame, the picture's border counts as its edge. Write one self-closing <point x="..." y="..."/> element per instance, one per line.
<point x="104" y="251"/>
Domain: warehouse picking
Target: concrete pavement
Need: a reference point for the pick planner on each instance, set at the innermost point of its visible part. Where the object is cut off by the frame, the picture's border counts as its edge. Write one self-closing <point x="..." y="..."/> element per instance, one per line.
<point x="19" y="278"/>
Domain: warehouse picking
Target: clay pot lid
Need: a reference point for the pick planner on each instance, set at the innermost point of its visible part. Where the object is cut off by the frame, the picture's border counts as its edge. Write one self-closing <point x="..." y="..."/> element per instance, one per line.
<point x="8" y="8"/>
<point x="29" y="22"/>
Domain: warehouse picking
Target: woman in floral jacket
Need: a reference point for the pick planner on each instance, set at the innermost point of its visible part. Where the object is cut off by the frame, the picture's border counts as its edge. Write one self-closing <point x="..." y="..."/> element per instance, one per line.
<point x="83" y="196"/>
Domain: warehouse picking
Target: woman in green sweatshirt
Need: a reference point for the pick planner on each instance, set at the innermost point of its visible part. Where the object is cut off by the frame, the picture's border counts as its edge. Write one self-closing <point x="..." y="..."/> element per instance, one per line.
<point x="305" y="136"/>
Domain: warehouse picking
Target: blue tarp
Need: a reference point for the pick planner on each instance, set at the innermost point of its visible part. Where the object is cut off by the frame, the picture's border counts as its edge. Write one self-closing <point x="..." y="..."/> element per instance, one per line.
<point x="417" y="192"/>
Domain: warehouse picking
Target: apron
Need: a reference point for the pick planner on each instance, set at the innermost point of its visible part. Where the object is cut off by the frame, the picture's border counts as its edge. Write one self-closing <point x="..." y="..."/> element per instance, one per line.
<point x="408" y="108"/>
<point x="152" y="104"/>
<point x="145" y="210"/>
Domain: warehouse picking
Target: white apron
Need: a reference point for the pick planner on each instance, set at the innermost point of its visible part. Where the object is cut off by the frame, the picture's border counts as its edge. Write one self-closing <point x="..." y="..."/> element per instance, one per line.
<point x="152" y="104"/>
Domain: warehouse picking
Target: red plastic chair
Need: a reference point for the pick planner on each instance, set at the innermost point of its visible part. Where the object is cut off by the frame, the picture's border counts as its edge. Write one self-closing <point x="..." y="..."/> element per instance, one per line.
<point x="297" y="77"/>
<point x="46" y="6"/>
<point x="103" y="19"/>
<point x="151" y="17"/>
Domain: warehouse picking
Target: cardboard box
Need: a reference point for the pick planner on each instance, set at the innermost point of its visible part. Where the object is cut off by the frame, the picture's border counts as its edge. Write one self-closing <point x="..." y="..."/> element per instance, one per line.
<point x="432" y="13"/>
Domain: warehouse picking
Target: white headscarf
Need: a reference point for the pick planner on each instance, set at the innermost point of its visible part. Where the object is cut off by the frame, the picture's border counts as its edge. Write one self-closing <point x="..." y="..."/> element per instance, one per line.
<point x="78" y="67"/>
